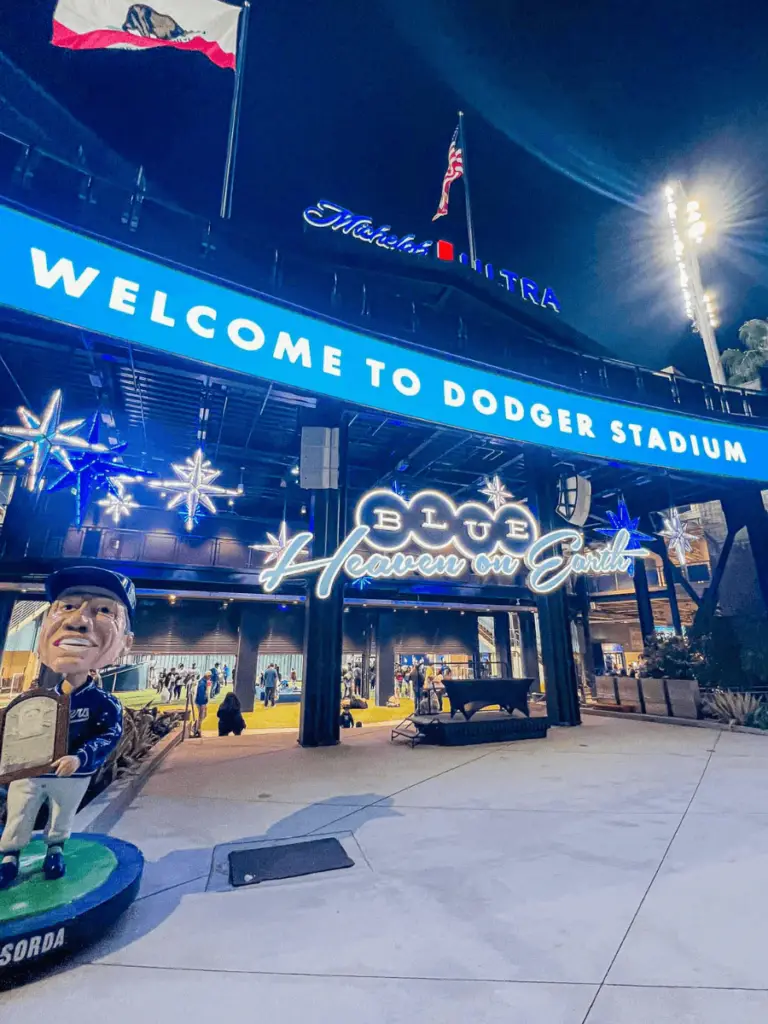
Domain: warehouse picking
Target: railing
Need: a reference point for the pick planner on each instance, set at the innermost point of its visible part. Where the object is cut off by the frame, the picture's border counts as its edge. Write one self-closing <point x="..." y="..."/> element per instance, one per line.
<point x="155" y="547"/>
<point x="328" y="284"/>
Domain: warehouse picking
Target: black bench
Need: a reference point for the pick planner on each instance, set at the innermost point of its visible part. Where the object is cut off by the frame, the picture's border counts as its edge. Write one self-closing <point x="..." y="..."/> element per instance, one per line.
<point x="470" y="695"/>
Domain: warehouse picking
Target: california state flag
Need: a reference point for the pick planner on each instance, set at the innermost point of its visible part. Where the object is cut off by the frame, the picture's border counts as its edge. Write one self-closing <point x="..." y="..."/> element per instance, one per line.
<point x="208" y="26"/>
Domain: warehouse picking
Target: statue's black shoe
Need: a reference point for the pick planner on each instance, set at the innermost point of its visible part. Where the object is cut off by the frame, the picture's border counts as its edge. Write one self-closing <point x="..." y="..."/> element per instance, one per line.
<point x="9" y="870"/>
<point x="53" y="865"/>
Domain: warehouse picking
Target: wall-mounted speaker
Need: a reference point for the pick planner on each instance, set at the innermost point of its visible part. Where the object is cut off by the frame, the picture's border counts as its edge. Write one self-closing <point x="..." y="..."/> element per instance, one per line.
<point x="575" y="499"/>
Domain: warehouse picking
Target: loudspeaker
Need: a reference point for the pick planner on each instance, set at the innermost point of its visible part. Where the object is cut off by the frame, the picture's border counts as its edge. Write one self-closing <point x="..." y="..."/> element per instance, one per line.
<point x="575" y="499"/>
<point x="319" y="463"/>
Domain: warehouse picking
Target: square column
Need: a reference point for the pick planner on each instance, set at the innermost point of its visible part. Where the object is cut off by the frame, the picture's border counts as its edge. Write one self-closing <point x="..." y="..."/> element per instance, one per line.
<point x="529" y="648"/>
<point x="502" y="648"/>
<point x="323" y="633"/>
<point x="554" y="620"/>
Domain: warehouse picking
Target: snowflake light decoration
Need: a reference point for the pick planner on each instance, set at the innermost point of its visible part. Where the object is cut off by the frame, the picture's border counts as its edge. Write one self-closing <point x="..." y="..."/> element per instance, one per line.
<point x="194" y="487"/>
<point x="621" y="520"/>
<point x="95" y="471"/>
<point x="496" y="492"/>
<point x="44" y="437"/>
<point x="118" y="502"/>
<point x="362" y="582"/>
<point x="679" y="535"/>
<point x="276" y="545"/>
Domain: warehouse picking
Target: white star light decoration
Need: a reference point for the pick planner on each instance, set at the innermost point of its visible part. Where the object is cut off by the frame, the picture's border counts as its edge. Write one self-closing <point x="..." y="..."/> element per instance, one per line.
<point x="275" y="545"/>
<point x="118" y="502"/>
<point x="496" y="492"/>
<point x="679" y="535"/>
<point x="44" y="437"/>
<point x="194" y="487"/>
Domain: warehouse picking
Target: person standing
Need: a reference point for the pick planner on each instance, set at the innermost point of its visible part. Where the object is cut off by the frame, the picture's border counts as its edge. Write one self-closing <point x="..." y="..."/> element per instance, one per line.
<point x="178" y="682"/>
<point x="270" y="685"/>
<point x="225" y="674"/>
<point x="201" y="703"/>
<point x="215" y="680"/>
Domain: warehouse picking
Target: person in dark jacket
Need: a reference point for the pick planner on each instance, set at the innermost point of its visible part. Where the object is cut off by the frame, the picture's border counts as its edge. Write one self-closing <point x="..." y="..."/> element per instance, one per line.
<point x="230" y="716"/>
<point x="200" y="709"/>
<point x="87" y="626"/>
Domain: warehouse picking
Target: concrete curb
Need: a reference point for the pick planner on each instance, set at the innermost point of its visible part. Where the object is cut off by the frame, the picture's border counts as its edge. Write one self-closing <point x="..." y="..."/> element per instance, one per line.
<point x="105" y="811"/>
<point x="663" y="720"/>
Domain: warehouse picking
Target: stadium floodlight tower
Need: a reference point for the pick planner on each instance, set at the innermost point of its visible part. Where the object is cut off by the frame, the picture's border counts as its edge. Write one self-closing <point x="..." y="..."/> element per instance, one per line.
<point x="688" y="229"/>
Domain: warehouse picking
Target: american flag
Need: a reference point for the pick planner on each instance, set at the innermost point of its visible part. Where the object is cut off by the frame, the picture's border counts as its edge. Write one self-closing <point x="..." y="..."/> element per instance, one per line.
<point x="455" y="170"/>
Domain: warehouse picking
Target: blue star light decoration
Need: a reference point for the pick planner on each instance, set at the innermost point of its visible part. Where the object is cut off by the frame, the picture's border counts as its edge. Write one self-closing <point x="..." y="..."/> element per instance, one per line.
<point x="194" y="488"/>
<point x="679" y="535"/>
<point x="99" y="470"/>
<point x="45" y="438"/>
<point x="621" y="520"/>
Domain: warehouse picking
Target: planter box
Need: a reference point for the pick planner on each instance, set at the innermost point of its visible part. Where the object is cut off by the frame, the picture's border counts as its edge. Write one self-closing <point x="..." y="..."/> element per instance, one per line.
<point x="655" y="696"/>
<point x="629" y="691"/>
<point x="684" y="698"/>
<point x="605" y="689"/>
<point x="678" y="698"/>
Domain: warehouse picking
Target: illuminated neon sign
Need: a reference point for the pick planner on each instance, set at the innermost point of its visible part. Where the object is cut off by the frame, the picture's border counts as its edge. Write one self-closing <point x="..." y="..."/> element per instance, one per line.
<point x="449" y="539"/>
<point x="526" y="286"/>
<point x="330" y="215"/>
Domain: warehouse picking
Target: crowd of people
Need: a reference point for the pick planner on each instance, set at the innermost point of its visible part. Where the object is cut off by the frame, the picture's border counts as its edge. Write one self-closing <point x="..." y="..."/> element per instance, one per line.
<point x="423" y="684"/>
<point x="174" y="684"/>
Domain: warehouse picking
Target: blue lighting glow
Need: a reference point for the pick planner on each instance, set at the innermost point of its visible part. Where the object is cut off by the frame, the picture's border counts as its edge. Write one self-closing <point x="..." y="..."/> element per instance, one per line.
<point x="93" y="472"/>
<point x="621" y="520"/>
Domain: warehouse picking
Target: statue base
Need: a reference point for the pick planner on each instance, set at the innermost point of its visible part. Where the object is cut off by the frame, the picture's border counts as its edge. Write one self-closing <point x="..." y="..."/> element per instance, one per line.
<point x="42" y="922"/>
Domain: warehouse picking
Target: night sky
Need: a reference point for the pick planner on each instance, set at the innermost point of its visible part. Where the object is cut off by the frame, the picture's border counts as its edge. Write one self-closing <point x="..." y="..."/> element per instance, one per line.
<point x="576" y="115"/>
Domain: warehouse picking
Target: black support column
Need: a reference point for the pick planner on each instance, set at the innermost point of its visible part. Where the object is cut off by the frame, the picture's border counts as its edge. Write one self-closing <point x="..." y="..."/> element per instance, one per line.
<point x="644" y="606"/>
<point x="669" y="577"/>
<point x="756" y="521"/>
<point x="529" y="649"/>
<point x="321" y="697"/>
<point x="249" y="638"/>
<point x="503" y="653"/>
<point x="554" y="622"/>
<point x="385" y="657"/>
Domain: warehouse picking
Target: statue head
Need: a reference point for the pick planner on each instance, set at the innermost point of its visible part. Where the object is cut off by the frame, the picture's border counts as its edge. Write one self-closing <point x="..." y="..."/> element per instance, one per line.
<point x="89" y="623"/>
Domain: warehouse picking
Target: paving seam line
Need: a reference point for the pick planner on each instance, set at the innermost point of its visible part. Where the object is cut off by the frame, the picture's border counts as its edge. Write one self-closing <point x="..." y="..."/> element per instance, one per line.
<point x="602" y="984"/>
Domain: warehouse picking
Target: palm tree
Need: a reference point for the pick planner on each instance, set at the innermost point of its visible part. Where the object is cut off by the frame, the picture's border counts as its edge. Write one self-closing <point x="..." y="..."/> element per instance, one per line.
<point x="742" y="366"/>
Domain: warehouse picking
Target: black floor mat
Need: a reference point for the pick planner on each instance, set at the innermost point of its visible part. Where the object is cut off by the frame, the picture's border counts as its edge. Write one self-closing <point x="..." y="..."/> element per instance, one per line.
<point x="266" y="863"/>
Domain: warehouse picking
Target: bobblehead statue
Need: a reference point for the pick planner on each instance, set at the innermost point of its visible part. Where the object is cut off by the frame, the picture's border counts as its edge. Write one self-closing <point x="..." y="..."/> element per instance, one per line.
<point x="88" y="626"/>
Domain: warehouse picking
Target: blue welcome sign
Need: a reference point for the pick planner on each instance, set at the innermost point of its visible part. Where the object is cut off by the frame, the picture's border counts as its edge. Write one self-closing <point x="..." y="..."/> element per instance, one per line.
<point x="75" y="279"/>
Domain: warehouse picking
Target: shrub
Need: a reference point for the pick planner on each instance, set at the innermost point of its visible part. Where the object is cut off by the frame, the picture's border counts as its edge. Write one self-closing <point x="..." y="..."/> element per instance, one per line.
<point x="673" y="657"/>
<point x="736" y="708"/>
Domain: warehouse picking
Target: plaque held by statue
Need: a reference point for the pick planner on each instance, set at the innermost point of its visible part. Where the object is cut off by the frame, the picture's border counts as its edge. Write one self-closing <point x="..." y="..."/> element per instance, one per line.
<point x="33" y="734"/>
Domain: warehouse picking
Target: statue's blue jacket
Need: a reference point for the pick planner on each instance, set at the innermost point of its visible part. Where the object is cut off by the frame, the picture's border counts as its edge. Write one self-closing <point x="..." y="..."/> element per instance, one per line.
<point x="95" y="726"/>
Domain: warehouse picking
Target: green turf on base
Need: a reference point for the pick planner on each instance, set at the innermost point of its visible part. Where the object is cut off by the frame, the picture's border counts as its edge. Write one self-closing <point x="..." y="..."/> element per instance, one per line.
<point x="89" y="865"/>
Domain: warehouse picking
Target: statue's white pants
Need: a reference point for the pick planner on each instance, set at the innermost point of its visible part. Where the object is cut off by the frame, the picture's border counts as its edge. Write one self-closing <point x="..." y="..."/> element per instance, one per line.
<point x="27" y="796"/>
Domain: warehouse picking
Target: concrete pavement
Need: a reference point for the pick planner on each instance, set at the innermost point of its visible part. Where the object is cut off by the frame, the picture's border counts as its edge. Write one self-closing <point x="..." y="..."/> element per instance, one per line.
<point x="611" y="874"/>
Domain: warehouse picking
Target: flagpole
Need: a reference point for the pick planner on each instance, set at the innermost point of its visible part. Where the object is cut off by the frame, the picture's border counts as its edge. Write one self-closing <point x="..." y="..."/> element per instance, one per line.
<point x="467" y="204"/>
<point x="234" y="116"/>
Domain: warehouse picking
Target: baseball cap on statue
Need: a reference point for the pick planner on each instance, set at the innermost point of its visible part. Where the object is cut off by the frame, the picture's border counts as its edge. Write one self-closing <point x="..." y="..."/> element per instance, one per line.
<point x="84" y="576"/>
